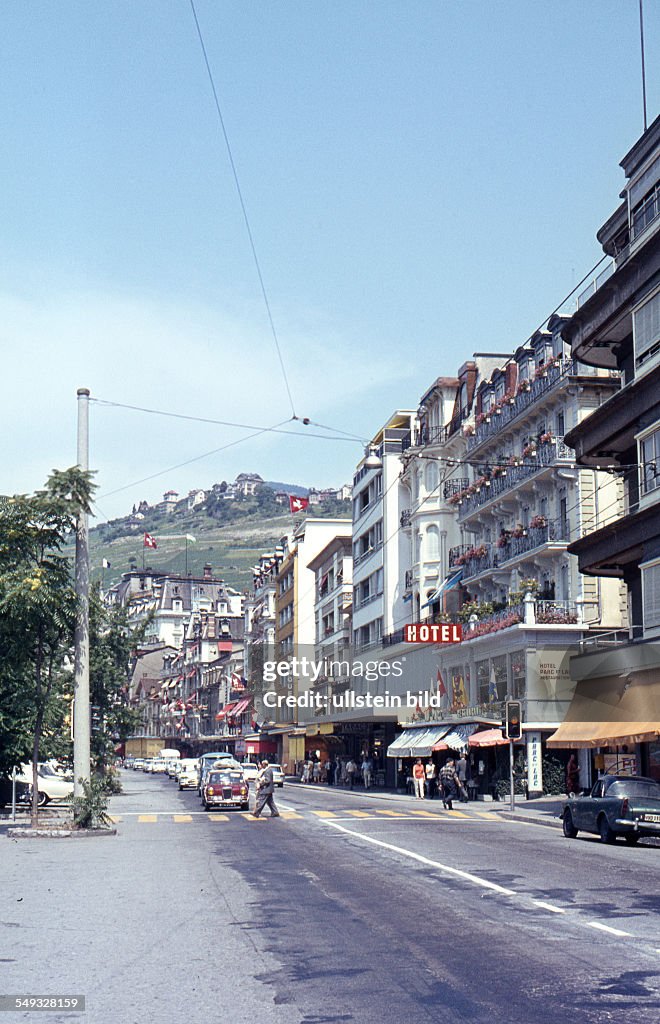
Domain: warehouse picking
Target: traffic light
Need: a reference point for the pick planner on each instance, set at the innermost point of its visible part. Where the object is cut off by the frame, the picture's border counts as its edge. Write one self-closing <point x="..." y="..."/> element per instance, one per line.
<point x="513" y="720"/>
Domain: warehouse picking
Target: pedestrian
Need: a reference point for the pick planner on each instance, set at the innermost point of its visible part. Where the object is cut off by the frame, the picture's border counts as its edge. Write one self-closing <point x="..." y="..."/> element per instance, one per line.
<point x="462" y="773"/>
<point x="351" y="769"/>
<point x="331" y="769"/>
<point x="306" y="772"/>
<point x="572" y="776"/>
<point x="449" y="782"/>
<point x="265" y="789"/>
<point x="316" y="772"/>
<point x="431" y="775"/>
<point x="419" y="776"/>
<point x="367" y="772"/>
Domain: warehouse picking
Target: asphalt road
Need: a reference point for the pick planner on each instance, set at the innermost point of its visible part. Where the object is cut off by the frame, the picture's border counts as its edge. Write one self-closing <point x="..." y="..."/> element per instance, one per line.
<point x="347" y="908"/>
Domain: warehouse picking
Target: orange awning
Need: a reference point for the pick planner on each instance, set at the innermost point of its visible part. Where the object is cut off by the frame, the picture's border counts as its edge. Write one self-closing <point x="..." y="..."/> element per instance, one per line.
<point x="487" y="738"/>
<point x="612" y="711"/>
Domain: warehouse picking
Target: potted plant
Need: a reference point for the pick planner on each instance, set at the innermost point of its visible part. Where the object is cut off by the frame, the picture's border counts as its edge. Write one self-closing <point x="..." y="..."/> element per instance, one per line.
<point x="538" y="521"/>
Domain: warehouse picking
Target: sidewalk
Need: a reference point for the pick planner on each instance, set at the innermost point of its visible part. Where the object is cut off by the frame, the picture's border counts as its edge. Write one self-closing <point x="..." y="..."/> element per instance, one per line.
<point x="543" y="811"/>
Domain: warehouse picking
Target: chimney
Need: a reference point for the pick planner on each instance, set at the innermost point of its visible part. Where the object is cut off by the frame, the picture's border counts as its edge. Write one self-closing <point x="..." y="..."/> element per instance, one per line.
<point x="511" y="376"/>
<point x="207" y="571"/>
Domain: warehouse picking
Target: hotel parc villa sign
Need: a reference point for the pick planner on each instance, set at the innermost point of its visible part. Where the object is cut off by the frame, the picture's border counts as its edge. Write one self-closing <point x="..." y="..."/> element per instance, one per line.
<point x="433" y="633"/>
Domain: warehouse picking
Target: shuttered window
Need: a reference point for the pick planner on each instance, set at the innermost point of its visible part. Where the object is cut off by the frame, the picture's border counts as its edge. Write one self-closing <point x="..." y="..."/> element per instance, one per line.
<point x="646" y="326"/>
<point x="651" y="594"/>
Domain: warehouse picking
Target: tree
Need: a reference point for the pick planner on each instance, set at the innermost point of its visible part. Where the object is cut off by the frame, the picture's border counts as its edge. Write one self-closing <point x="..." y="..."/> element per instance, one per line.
<point x="37" y="615"/>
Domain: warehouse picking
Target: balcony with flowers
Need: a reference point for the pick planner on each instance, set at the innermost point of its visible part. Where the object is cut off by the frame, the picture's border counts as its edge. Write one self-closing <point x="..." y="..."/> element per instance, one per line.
<point x="537" y="455"/>
<point x="554" y="372"/>
<point x="515" y="544"/>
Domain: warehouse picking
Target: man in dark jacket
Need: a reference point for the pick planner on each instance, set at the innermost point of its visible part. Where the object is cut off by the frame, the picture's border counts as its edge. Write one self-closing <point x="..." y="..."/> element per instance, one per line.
<point x="449" y="783"/>
<point x="265" y="788"/>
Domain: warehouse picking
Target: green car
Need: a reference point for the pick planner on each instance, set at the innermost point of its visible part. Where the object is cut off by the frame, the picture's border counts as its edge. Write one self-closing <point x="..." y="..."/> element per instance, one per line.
<point x="618" y="805"/>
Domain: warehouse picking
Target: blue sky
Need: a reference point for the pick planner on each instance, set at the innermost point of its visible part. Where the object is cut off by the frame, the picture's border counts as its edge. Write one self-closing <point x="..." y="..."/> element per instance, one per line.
<point x="423" y="180"/>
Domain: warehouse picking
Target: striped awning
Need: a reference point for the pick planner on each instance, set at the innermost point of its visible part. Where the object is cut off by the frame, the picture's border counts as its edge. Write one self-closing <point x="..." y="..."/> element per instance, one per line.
<point x="417" y="742"/>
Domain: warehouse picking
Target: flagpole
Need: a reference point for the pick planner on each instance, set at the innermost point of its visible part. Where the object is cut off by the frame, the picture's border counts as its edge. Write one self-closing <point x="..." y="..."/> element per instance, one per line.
<point x="186" y="554"/>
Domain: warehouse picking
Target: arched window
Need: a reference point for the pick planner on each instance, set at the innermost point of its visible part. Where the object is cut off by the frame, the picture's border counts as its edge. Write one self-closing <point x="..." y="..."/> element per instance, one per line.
<point x="432" y="542"/>
<point x="431" y="476"/>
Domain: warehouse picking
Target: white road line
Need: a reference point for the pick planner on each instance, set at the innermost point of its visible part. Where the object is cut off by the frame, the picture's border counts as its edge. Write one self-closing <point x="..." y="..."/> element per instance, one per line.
<point x="606" y="928"/>
<point x="484" y="883"/>
<point x="548" y="906"/>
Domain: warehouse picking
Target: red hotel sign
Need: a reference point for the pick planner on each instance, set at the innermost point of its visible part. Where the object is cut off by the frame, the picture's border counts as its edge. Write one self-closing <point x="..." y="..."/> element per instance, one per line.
<point x="427" y="633"/>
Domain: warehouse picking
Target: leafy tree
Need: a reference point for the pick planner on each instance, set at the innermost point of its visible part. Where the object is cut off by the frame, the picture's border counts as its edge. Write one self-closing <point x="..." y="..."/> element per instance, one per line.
<point x="37" y="615"/>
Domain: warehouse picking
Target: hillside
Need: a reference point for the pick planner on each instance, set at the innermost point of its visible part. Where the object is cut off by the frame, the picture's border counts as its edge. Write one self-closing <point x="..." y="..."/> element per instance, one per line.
<point x="229" y="535"/>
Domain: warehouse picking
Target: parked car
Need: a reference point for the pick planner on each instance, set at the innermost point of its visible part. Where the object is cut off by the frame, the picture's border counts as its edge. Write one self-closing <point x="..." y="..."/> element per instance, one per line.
<point x="129" y="762"/>
<point x="250" y="770"/>
<point x="188" y="773"/>
<point x="147" y="765"/>
<point x="618" y="805"/>
<point x="225" y="787"/>
<point x="22" y="792"/>
<point x="51" y="786"/>
<point x="278" y="774"/>
<point x="138" y="764"/>
<point x="171" y="767"/>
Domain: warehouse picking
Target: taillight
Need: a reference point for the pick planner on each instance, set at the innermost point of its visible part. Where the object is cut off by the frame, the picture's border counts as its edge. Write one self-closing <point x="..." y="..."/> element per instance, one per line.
<point x="624" y="806"/>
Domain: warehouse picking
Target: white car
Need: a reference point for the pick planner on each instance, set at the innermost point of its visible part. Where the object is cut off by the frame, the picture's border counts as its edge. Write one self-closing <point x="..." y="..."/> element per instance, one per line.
<point x="250" y="770"/>
<point x="51" y="785"/>
<point x="158" y="766"/>
<point x="278" y="774"/>
<point x="188" y="773"/>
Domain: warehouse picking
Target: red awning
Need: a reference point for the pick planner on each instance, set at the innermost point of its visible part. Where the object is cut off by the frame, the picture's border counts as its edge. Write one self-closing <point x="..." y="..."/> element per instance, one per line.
<point x="227" y="710"/>
<point x="241" y="706"/>
<point x="487" y="738"/>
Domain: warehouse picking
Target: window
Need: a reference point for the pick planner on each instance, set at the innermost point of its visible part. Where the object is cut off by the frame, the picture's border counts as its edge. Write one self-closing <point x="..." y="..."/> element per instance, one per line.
<point x="646" y="329"/>
<point x="649" y="450"/>
<point x="651" y="594"/>
<point x="432" y="542"/>
<point x="431" y="476"/>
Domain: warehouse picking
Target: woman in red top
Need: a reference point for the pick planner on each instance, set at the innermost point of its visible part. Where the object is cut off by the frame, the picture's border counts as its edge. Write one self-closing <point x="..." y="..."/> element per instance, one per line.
<point x="419" y="776"/>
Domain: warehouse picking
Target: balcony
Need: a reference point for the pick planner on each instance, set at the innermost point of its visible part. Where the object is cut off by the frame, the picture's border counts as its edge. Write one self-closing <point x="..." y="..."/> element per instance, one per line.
<point x="512" y="546"/>
<point x="408" y="585"/>
<point x="454" y="487"/>
<point x="406" y="518"/>
<point x="551" y="453"/>
<point x="529" y="392"/>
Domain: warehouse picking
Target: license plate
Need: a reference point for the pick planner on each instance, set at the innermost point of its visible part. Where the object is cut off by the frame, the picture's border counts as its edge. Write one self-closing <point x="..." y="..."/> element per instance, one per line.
<point x="651" y="817"/>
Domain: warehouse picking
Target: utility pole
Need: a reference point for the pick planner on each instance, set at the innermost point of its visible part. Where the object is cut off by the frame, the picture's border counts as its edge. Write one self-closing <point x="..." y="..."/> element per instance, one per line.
<point x="81" y="709"/>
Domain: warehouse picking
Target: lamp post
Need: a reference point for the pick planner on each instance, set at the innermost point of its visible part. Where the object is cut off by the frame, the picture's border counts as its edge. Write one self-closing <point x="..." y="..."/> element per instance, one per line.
<point x="81" y="709"/>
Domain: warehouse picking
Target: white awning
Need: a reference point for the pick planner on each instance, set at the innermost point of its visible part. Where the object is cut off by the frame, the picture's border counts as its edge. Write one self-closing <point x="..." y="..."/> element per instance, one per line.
<point x="417" y="742"/>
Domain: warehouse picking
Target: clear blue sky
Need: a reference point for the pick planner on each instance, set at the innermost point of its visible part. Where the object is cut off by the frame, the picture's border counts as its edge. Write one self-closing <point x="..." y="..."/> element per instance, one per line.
<point x="424" y="179"/>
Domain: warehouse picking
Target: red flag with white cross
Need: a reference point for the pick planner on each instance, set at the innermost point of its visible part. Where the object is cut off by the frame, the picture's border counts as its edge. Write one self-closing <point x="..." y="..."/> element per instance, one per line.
<point x="149" y="541"/>
<point x="298" y="504"/>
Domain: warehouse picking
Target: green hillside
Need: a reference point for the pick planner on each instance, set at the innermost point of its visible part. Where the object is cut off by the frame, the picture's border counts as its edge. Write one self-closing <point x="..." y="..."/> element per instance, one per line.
<point x="229" y="535"/>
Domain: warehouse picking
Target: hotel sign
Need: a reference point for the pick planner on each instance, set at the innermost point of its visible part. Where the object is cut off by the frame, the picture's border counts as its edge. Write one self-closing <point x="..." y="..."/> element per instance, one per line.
<point x="433" y="633"/>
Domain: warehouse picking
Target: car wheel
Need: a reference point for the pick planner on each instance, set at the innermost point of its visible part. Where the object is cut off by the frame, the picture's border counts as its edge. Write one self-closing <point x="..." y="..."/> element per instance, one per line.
<point x="281" y="785"/>
<point x="569" y="828"/>
<point x="605" y="832"/>
<point x="42" y="799"/>
<point x="632" y="838"/>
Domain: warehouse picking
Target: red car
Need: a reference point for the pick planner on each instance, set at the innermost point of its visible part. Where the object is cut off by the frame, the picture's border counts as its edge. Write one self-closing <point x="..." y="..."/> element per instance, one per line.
<point x="225" y="788"/>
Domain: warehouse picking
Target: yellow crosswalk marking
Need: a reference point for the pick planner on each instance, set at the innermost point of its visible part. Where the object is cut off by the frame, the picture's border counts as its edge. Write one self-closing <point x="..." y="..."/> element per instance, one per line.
<point x="249" y="816"/>
<point x="218" y="817"/>
<point x="457" y="814"/>
<point x="359" y="814"/>
<point x="425" y="814"/>
<point x="485" y="814"/>
<point x="182" y="817"/>
<point x="289" y="815"/>
<point x="147" y="817"/>
<point x="390" y="814"/>
<point x="325" y="814"/>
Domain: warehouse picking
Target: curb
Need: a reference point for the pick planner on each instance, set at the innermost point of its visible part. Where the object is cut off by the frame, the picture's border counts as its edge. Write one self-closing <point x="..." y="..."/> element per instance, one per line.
<point x="58" y="833"/>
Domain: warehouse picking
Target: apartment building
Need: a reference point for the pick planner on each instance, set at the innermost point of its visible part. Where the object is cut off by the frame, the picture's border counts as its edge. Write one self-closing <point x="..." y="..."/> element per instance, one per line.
<point x="615" y="713"/>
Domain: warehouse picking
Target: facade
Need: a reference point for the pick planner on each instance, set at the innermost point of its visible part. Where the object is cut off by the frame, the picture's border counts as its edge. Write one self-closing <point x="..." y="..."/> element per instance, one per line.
<point x="616" y="710"/>
<point x="171" y="600"/>
<point x="379" y="545"/>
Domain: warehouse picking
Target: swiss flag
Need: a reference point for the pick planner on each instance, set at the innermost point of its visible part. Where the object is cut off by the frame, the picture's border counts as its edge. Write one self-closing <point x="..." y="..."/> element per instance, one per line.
<point x="149" y="541"/>
<point x="442" y="689"/>
<point x="298" y="504"/>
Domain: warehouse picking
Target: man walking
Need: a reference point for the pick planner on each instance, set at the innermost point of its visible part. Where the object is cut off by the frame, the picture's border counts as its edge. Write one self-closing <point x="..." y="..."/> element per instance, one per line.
<point x="367" y="772"/>
<point x="265" y="788"/>
<point x="449" y="783"/>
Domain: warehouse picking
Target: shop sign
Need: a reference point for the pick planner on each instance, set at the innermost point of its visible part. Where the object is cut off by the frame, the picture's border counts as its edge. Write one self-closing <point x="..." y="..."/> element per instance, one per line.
<point x="620" y="764"/>
<point x="433" y="633"/>
<point x="534" y="763"/>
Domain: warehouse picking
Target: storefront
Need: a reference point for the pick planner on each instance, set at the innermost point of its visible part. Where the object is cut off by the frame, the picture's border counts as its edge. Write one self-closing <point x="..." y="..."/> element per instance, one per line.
<point x="617" y="719"/>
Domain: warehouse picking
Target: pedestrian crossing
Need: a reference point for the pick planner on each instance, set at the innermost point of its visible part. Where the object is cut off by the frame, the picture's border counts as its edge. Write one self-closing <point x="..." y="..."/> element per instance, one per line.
<point x="348" y="814"/>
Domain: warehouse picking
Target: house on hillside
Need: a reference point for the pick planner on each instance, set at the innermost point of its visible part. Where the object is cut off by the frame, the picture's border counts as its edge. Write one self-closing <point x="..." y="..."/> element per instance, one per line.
<point x="169" y="501"/>
<point x="195" y="499"/>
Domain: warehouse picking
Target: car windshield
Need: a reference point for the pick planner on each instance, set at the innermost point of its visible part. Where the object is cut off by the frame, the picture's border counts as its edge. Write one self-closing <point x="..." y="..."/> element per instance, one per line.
<point x="635" y="789"/>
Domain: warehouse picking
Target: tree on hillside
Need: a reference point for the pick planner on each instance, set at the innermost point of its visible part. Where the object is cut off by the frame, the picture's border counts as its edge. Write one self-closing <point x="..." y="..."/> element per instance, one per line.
<point x="37" y="615"/>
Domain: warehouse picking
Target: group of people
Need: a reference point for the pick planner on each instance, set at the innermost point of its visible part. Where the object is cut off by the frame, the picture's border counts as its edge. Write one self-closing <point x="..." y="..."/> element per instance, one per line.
<point x="335" y="772"/>
<point x="450" y="783"/>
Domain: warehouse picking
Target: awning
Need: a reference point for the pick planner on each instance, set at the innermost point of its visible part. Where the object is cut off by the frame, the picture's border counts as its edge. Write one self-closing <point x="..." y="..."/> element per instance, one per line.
<point x="416" y="742"/>
<point x="606" y="712"/>
<point x="226" y="710"/>
<point x="487" y="738"/>
<point x="241" y="706"/>
<point x="451" y="581"/>
<point x="456" y="738"/>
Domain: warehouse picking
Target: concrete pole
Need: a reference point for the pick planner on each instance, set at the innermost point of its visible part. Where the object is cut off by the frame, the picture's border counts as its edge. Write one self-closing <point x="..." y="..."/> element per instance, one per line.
<point x="81" y="709"/>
